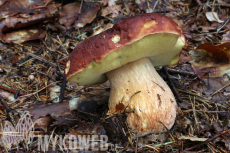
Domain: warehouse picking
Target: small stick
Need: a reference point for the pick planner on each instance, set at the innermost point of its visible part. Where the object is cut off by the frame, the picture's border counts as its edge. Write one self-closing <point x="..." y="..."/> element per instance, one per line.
<point x="208" y="140"/>
<point x="41" y="59"/>
<point x="172" y="85"/>
<point x="190" y="110"/>
<point x="219" y="89"/>
<point x="167" y="130"/>
<point x="192" y="74"/>
<point x="31" y="94"/>
<point x="40" y="72"/>
<point x="199" y="2"/>
<point x="12" y="90"/>
<point x="79" y="12"/>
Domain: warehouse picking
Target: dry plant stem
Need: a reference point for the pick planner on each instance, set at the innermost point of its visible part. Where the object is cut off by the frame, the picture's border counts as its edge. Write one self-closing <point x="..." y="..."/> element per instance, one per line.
<point x="192" y="74"/>
<point x="172" y="85"/>
<point x="40" y="72"/>
<point x="216" y="136"/>
<point x="219" y="89"/>
<point x="4" y="103"/>
<point x="41" y="59"/>
<point x="11" y="90"/>
<point x="190" y="110"/>
<point x="31" y="94"/>
<point x="155" y="101"/>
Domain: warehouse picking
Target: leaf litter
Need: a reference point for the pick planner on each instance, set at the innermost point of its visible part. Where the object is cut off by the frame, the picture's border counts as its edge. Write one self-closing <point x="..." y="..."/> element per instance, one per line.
<point x="36" y="38"/>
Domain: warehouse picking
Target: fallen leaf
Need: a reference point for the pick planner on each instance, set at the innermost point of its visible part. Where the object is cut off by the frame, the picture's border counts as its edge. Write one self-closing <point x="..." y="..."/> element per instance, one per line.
<point x="24" y="35"/>
<point x="221" y="52"/>
<point x="206" y="66"/>
<point x="118" y="107"/>
<point x="112" y="8"/>
<point x="212" y="16"/>
<point x="70" y="14"/>
<point x="55" y="110"/>
<point x="43" y="123"/>
<point x="184" y="59"/>
<point x="226" y="37"/>
<point x="210" y="60"/>
<point x="19" y="14"/>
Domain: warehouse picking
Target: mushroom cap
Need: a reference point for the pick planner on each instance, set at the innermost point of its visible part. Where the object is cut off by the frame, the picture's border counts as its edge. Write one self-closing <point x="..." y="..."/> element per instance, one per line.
<point x="147" y="35"/>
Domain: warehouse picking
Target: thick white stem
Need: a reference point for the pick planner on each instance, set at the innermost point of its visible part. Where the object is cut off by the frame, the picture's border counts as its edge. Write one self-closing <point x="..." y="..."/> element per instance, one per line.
<point x="154" y="103"/>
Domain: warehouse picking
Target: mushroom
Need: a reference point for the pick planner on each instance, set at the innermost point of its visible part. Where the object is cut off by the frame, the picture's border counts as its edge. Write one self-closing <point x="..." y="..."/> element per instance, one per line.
<point x="126" y="55"/>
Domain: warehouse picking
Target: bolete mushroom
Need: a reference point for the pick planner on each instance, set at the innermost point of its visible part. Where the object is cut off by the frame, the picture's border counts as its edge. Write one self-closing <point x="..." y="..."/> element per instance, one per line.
<point x="126" y="54"/>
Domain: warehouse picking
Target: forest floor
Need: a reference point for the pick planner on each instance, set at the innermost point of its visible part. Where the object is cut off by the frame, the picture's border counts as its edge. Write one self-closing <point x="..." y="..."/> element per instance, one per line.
<point x="36" y="38"/>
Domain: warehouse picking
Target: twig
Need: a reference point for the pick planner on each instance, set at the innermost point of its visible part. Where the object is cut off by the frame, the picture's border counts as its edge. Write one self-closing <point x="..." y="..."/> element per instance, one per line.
<point x="167" y="130"/>
<point x="86" y="32"/>
<point x="216" y="136"/>
<point x="40" y="72"/>
<point x="213" y="8"/>
<point x="199" y="2"/>
<point x="192" y="74"/>
<point x="31" y="94"/>
<point x="126" y="7"/>
<point x="4" y="103"/>
<point x="61" y="44"/>
<point x="172" y="85"/>
<point x="194" y="113"/>
<point x="223" y="25"/>
<point x="155" y="5"/>
<point x="152" y="147"/>
<point x="41" y="59"/>
<point x="14" y="91"/>
<point x="26" y="59"/>
<point x="190" y="110"/>
<point x="219" y="89"/>
<point x="79" y="12"/>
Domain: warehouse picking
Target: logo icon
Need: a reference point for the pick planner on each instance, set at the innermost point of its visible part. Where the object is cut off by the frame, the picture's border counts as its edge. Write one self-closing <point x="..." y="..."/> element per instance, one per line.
<point x="22" y="132"/>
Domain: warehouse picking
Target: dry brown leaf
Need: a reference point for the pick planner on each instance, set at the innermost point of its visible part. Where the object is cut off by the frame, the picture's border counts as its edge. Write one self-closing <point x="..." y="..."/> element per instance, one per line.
<point x="212" y="16"/>
<point x="43" y="123"/>
<point x="70" y="14"/>
<point x="24" y="35"/>
<point x="112" y="8"/>
<point x="13" y="7"/>
<point x="19" y="14"/>
<point x="183" y="58"/>
<point x="204" y="65"/>
<point x="55" y="110"/>
<point x="118" y="107"/>
<point x="226" y="37"/>
<point x="88" y="14"/>
<point x="221" y="52"/>
<point x="211" y="60"/>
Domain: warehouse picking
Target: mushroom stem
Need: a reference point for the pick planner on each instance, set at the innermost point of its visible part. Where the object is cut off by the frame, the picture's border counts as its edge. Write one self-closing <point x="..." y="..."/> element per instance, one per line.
<point x="154" y="103"/>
